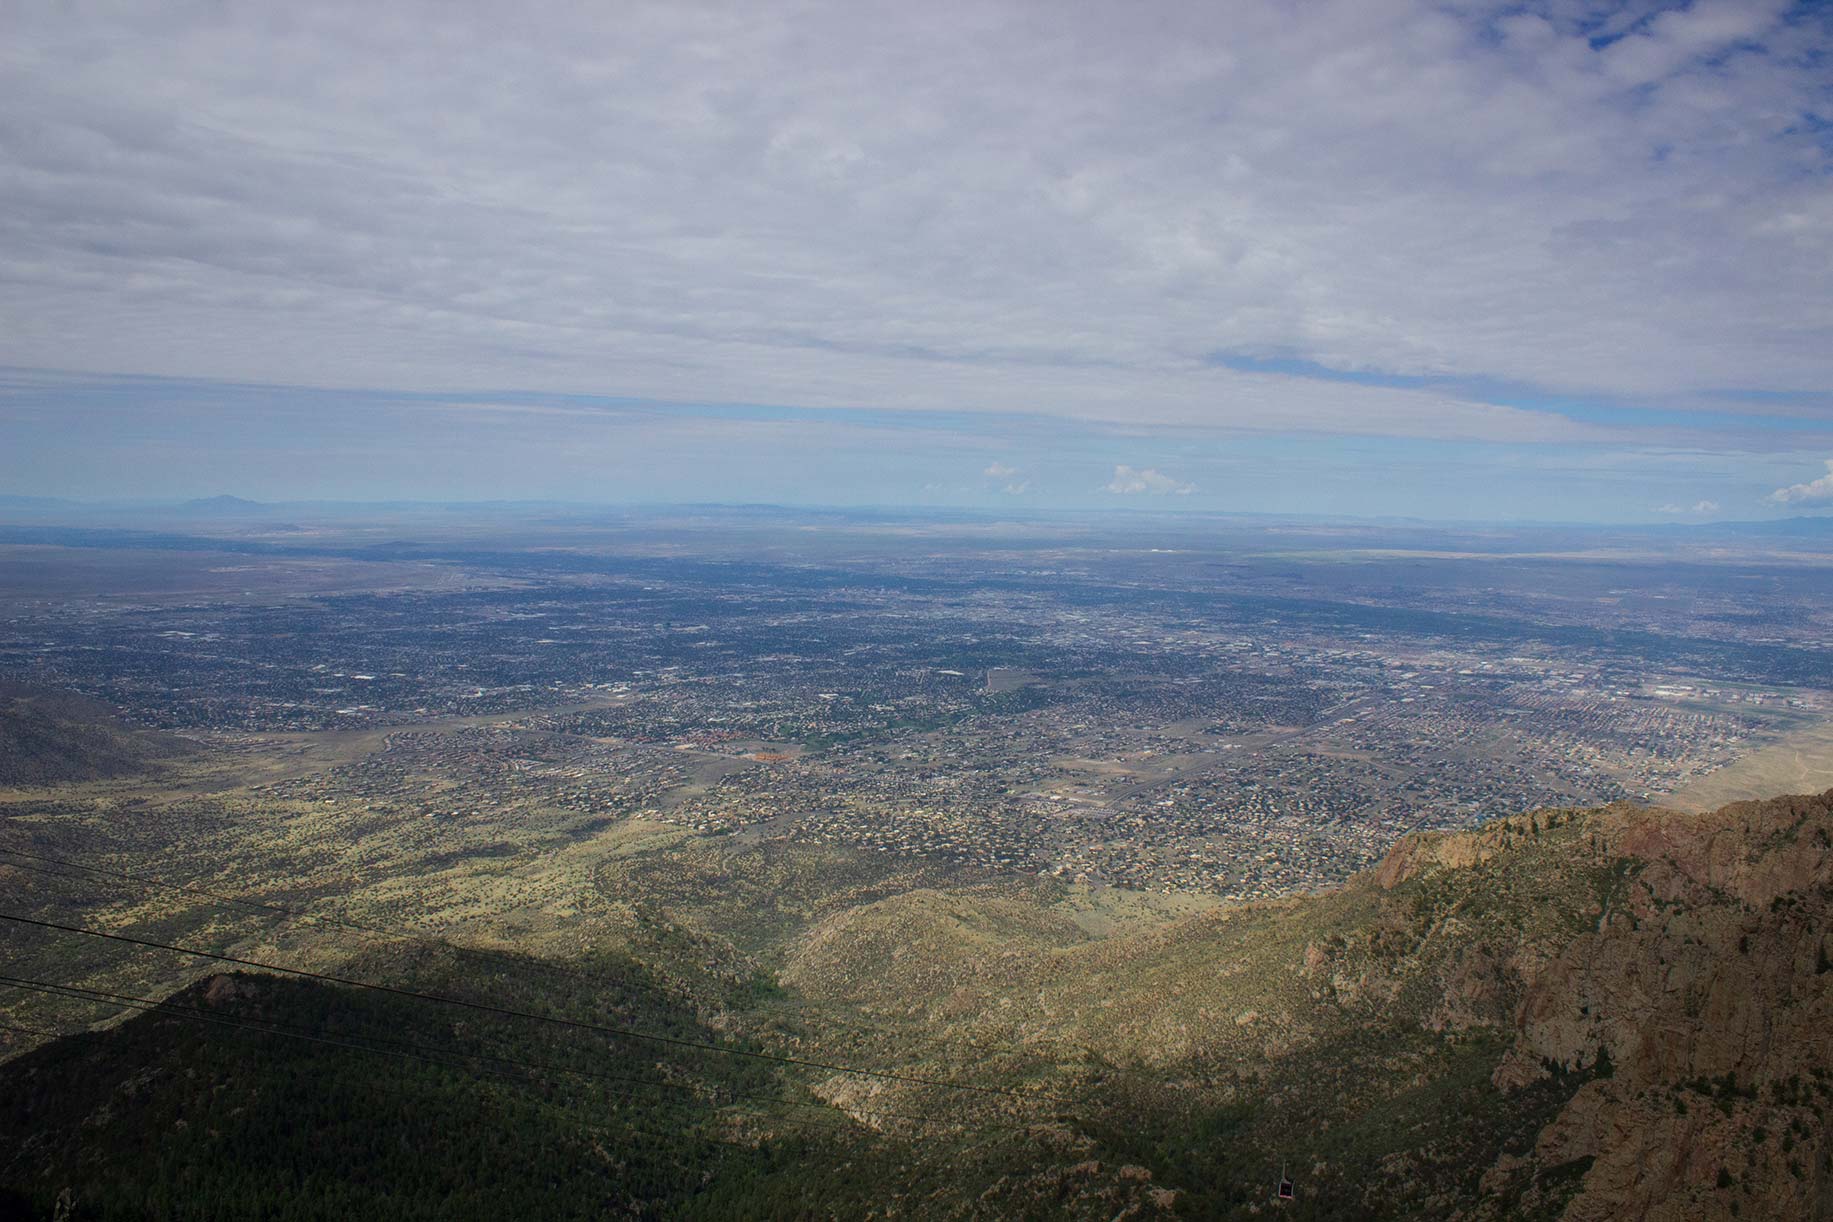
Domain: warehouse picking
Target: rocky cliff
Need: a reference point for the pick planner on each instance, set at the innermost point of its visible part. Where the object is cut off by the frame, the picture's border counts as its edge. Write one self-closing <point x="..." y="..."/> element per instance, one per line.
<point x="1645" y="995"/>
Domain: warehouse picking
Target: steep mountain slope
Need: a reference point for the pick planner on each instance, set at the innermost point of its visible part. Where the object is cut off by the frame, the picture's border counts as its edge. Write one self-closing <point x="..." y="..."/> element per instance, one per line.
<point x="1630" y="1011"/>
<point x="48" y="736"/>
<point x="1707" y="987"/>
<point x="1565" y="1014"/>
<point x="254" y="1095"/>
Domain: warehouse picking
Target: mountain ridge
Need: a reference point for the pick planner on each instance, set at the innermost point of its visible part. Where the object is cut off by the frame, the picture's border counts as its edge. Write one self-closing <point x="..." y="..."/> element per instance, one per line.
<point x="1634" y="954"/>
<point x="49" y="736"/>
<point x="1578" y="1014"/>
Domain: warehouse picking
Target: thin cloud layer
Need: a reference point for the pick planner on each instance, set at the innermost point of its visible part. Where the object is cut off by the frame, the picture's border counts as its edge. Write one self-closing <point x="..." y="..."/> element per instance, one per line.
<point x="1073" y="212"/>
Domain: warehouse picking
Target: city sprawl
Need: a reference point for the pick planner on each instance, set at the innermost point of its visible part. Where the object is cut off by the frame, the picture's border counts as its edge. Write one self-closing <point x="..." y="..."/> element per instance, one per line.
<point x="1160" y="708"/>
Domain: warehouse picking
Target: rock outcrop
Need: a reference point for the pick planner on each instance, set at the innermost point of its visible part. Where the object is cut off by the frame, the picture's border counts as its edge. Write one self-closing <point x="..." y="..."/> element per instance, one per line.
<point x="1702" y="1001"/>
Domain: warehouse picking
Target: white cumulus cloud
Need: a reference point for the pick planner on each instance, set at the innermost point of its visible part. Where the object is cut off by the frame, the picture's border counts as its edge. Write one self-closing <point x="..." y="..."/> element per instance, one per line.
<point x="1010" y="479"/>
<point x="1134" y="481"/>
<point x="1813" y="490"/>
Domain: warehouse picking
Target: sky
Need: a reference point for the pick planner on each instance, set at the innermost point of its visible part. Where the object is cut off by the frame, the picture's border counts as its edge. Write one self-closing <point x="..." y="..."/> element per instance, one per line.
<point x="1544" y="261"/>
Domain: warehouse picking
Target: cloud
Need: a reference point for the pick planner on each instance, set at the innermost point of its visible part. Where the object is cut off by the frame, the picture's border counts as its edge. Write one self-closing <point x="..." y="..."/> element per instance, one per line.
<point x="838" y="205"/>
<point x="1133" y="481"/>
<point x="1672" y="39"/>
<point x="1010" y="479"/>
<point x="1696" y="507"/>
<point x="1814" y="490"/>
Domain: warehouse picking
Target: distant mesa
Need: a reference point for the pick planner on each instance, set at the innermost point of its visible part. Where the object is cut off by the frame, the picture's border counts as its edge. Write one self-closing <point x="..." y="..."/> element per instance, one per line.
<point x="224" y="504"/>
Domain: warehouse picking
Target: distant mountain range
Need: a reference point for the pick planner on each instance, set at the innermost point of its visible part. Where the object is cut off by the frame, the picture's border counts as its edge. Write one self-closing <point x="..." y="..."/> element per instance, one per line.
<point x="222" y="505"/>
<point x="230" y="506"/>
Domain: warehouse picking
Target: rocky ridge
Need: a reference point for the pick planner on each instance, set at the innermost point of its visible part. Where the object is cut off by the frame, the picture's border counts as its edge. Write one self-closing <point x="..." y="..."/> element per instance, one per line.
<point x="1658" y="984"/>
